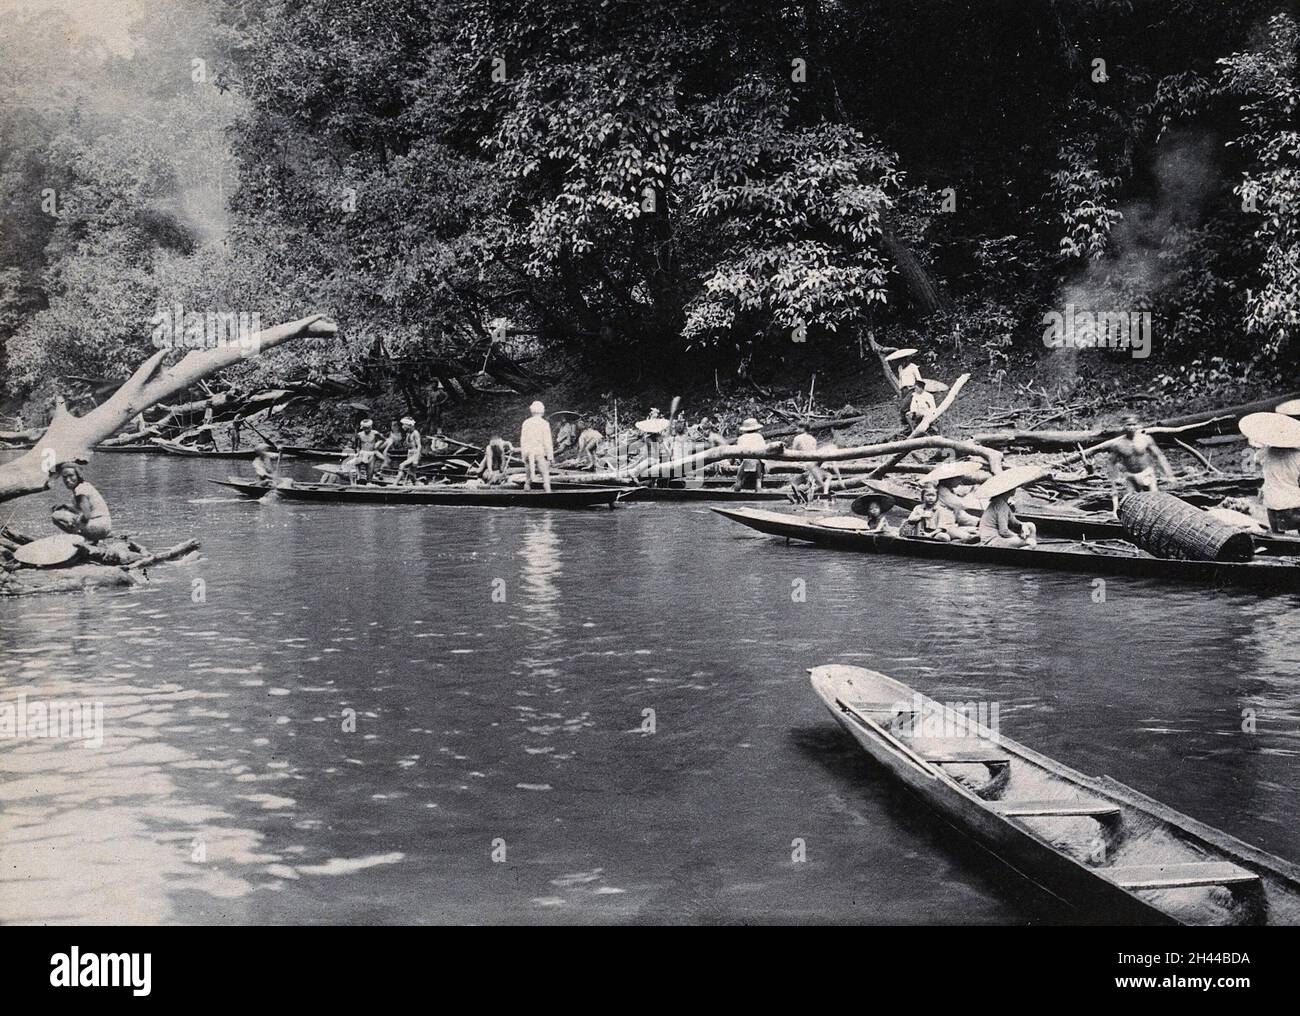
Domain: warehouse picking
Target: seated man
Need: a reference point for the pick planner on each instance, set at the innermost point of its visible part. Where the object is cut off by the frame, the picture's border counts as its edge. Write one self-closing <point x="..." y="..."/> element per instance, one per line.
<point x="88" y="515"/>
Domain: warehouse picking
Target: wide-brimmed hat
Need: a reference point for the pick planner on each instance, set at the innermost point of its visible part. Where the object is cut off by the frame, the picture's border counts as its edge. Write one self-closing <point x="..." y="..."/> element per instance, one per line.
<point x="1291" y="408"/>
<point x="49" y="551"/>
<point x="750" y="425"/>
<point x="537" y="408"/>
<point x="900" y="354"/>
<point x="1273" y="430"/>
<point x="1009" y="480"/>
<point x="407" y="421"/>
<point x="952" y="471"/>
<point x="935" y="387"/>
<point x="367" y="423"/>
<point x="654" y="426"/>
<point x="860" y="504"/>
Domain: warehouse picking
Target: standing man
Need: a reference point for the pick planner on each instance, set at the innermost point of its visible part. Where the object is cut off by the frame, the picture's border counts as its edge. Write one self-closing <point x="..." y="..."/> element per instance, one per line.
<point x="367" y="450"/>
<point x="406" y="468"/>
<point x="1137" y="455"/>
<point x="437" y="401"/>
<point x="750" y="472"/>
<point x="536" y="447"/>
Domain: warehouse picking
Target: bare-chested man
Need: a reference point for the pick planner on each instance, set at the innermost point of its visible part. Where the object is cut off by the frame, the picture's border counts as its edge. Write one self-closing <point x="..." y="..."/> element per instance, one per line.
<point x="1137" y="457"/>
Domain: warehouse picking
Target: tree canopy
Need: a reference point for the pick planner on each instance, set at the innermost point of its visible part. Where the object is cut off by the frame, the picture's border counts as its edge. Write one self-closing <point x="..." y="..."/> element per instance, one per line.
<point x="648" y="185"/>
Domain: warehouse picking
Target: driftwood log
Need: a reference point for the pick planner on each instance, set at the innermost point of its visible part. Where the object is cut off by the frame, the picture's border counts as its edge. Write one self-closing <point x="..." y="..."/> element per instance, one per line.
<point x="74" y="437"/>
<point x="28" y="581"/>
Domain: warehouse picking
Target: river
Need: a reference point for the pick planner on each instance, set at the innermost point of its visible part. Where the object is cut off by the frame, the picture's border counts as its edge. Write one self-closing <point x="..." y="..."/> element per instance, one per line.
<point x="353" y="714"/>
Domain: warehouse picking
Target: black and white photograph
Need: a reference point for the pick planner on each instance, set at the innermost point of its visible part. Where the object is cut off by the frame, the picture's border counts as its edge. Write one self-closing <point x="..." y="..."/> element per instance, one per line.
<point x="625" y="463"/>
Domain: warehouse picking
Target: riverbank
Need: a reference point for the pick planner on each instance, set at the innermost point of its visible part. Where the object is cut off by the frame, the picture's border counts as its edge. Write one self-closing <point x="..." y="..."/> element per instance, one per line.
<point x="1021" y="395"/>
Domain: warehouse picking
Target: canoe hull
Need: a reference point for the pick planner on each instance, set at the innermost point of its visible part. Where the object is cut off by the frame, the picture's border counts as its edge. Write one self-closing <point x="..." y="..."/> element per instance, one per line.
<point x="483" y="497"/>
<point x="1260" y="576"/>
<point x="1038" y="848"/>
<point x="1079" y="526"/>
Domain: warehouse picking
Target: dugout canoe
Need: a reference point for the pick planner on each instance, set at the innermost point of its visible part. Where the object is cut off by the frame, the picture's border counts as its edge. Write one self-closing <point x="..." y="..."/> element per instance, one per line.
<point x="1078" y="525"/>
<point x="185" y="451"/>
<point x="247" y="486"/>
<point x="1263" y="574"/>
<point x="1106" y="851"/>
<point x="451" y="494"/>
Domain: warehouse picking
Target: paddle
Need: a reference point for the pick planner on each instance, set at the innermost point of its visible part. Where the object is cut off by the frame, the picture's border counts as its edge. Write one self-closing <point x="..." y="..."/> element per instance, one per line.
<point x="672" y="412"/>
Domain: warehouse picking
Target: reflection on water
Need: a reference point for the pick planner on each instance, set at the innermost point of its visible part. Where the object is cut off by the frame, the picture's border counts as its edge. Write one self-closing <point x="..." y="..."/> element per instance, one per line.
<point x="349" y="725"/>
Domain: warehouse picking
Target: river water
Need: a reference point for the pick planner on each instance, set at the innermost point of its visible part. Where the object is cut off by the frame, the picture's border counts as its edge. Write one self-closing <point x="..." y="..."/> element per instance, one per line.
<point x="354" y="714"/>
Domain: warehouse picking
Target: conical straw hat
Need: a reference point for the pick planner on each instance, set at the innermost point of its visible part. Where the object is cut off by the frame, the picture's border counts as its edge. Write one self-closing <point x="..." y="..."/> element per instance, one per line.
<point x="1272" y="430"/>
<point x="1291" y="408"/>
<point x="951" y="471"/>
<point x="859" y="506"/>
<point x="1008" y="480"/>
<point x="49" y="551"/>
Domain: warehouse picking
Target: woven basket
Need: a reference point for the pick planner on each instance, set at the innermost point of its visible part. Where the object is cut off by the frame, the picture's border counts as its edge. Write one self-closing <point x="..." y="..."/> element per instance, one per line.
<point x="1168" y="526"/>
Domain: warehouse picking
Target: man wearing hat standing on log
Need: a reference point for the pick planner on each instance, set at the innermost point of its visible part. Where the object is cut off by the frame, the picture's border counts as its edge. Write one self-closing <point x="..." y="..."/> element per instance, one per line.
<point x="1277" y="438"/>
<point x="750" y="472"/>
<point x="1137" y="455"/>
<point x="537" y="447"/>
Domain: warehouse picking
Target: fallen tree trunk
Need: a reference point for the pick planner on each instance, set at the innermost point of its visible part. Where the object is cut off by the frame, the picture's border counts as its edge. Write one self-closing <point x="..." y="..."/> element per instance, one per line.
<point x="21" y="436"/>
<point x="74" y="437"/>
<point x="776" y="452"/>
<point x="132" y="438"/>
<point x="1211" y="420"/>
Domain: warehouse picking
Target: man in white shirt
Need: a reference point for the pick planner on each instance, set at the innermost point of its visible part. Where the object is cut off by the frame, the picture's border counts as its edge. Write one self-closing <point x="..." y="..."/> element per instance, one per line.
<point x="1281" y="493"/>
<point x="1276" y="438"/>
<point x="750" y="473"/>
<point x="536" y="447"/>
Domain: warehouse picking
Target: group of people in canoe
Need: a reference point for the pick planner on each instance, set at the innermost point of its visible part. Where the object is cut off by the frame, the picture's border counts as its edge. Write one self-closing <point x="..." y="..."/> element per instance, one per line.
<point x="960" y="502"/>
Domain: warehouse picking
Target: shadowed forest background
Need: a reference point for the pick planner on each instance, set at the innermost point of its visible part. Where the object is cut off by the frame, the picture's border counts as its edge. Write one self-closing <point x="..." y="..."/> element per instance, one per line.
<point x="650" y="194"/>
